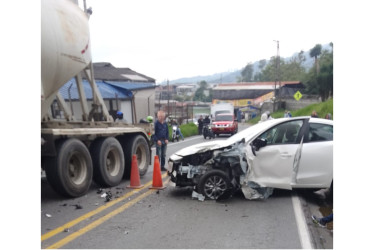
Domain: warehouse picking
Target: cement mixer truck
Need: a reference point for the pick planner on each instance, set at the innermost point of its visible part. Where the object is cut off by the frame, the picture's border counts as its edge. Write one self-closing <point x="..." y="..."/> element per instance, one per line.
<point x="75" y="153"/>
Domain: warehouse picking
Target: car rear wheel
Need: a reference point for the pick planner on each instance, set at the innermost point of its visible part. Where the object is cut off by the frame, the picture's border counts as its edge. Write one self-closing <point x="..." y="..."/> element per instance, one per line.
<point x="214" y="184"/>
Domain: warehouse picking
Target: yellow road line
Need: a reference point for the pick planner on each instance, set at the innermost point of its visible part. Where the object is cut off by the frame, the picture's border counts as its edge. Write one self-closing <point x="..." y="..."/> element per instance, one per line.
<point x="93" y="212"/>
<point x="99" y="221"/>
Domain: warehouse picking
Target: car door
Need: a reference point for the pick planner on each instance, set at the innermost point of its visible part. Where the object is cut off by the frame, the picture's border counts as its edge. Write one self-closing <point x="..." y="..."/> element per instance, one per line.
<point x="274" y="163"/>
<point x="316" y="162"/>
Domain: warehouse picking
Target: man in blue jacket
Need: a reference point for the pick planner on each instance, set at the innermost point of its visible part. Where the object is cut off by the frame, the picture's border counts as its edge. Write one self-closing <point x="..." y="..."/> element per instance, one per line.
<point x="161" y="138"/>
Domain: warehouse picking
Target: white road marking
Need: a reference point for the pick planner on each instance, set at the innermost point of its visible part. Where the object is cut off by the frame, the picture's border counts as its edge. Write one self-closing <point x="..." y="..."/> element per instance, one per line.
<point x="301" y="223"/>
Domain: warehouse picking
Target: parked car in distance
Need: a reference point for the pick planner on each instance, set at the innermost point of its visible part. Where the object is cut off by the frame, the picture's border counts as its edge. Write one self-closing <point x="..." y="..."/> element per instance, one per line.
<point x="225" y="124"/>
<point x="283" y="153"/>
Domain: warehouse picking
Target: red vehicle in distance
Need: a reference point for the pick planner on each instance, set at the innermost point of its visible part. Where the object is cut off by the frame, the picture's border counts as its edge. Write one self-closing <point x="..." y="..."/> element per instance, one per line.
<point x="225" y="124"/>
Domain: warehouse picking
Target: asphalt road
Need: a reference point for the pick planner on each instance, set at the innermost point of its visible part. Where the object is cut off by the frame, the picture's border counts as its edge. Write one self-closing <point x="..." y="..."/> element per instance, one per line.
<point x="170" y="218"/>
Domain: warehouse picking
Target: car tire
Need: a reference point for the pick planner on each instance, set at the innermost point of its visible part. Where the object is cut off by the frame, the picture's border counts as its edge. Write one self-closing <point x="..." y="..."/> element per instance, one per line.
<point x="214" y="184"/>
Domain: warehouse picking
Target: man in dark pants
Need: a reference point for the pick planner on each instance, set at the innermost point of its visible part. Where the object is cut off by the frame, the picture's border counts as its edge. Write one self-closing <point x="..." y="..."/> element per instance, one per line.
<point x="161" y="138"/>
<point x="200" y="121"/>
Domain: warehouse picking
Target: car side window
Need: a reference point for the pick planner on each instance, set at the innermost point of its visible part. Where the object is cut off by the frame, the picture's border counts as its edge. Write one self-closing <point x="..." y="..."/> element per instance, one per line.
<point x="285" y="133"/>
<point x="320" y="132"/>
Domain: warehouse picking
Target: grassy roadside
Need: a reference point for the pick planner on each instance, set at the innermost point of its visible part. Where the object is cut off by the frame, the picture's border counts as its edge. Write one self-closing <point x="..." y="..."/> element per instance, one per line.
<point x="187" y="130"/>
<point x="322" y="109"/>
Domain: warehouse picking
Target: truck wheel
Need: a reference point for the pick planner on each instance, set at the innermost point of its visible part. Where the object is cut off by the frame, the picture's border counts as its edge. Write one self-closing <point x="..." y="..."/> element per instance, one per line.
<point x="214" y="184"/>
<point x="108" y="161"/>
<point x="70" y="172"/>
<point x="138" y="146"/>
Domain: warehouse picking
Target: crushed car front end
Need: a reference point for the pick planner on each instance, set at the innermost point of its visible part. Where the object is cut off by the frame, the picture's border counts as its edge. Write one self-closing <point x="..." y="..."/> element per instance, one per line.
<point x="213" y="172"/>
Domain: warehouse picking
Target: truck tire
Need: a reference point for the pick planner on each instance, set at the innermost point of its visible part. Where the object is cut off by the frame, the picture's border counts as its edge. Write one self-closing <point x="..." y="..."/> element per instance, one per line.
<point x="108" y="161"/>
<point x="138" y="146"/>
<point x="70" y="172"/>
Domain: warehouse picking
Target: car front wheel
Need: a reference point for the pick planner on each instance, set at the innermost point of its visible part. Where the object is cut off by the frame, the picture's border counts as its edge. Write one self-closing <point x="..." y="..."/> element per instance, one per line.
<point x="214" y="184"/>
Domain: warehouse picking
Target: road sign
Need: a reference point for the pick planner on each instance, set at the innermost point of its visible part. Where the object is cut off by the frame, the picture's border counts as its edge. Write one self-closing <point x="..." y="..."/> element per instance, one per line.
<point x="297" y="95"/>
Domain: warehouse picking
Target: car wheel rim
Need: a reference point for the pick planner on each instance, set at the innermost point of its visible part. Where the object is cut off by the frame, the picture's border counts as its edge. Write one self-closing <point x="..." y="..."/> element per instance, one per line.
<point x="214" y="187"/>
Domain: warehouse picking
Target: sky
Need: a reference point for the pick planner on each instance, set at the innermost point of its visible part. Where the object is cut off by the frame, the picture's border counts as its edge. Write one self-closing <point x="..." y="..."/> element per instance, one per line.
<point x="174" y="39"/>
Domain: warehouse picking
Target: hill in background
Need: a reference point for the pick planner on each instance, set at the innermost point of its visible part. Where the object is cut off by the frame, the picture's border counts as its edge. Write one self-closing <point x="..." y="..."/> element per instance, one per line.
<point x="228" y="77"/>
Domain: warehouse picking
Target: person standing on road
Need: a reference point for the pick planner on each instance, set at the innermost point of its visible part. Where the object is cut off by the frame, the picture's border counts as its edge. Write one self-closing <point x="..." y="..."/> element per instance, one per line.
<point x="200" y="121"/>
<point x="161" y="138"/>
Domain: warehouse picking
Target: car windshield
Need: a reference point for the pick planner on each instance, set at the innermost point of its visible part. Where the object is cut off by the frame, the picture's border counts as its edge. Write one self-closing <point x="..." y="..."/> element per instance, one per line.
<point x="248" y="133"/>
<point x="220" y="118"/>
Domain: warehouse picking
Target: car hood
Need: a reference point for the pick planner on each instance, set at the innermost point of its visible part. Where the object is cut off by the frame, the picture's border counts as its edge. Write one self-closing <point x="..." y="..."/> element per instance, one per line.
<point x="203" y="147"/>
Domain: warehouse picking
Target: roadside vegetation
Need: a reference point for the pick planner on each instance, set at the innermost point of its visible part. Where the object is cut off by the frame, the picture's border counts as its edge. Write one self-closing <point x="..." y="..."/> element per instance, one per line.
<point x="187" y="130"/>
<point x="322" y="109"/>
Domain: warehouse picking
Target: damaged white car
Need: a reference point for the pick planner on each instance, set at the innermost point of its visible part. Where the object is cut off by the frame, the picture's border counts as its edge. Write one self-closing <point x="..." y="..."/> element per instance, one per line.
<point x="281" y="153"/>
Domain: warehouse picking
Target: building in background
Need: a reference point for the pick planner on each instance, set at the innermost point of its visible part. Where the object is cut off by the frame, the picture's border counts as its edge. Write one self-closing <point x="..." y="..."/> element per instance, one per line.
<point x="121" y="88"/>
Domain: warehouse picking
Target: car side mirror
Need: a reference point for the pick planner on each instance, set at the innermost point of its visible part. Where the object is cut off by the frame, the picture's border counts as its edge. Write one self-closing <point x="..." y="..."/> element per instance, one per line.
<point x="257" y="144"/>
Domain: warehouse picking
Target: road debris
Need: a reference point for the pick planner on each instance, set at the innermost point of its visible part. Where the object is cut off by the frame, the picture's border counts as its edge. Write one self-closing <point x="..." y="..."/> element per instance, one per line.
<point x="108" y="196"/>
<point x="77" y="206"/>
<point x="198" y="196"/>
<point x="66" y="230"/>
<point x="48" y="215"/>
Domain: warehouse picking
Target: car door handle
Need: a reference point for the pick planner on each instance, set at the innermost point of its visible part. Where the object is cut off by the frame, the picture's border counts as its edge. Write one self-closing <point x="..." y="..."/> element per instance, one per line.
<point x="285" y="155"/>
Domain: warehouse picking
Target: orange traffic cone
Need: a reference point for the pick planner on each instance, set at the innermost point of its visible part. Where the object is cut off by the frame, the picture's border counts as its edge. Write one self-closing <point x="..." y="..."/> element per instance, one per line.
<point x="157" y="179"/>
<point x="135" y="177"/>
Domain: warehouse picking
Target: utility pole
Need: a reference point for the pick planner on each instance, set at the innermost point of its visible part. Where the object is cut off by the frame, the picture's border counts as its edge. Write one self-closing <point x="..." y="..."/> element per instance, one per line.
<point x="168" y="96"/>
<point x="277" y="73"/>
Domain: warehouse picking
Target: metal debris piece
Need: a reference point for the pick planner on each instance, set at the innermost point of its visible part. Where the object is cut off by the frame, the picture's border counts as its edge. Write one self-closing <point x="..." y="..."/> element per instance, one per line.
<point x="66" y="230"/>
<point x="103" y="195"/>
<point x="108" y="196"/>
<point x="200" y="197"/>
<point x="48" y="215"/>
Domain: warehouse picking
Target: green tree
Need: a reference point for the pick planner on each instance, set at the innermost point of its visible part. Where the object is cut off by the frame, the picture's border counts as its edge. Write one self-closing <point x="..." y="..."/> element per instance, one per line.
<point x="315" y="52"/>
<point x="247" y="73"/>
<point x="321" y="83"/>
<point x="258" y="76"/>
<point x="294" y="70"/>
<point x="200" y="93"/>
<point x="269" y="73"/>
